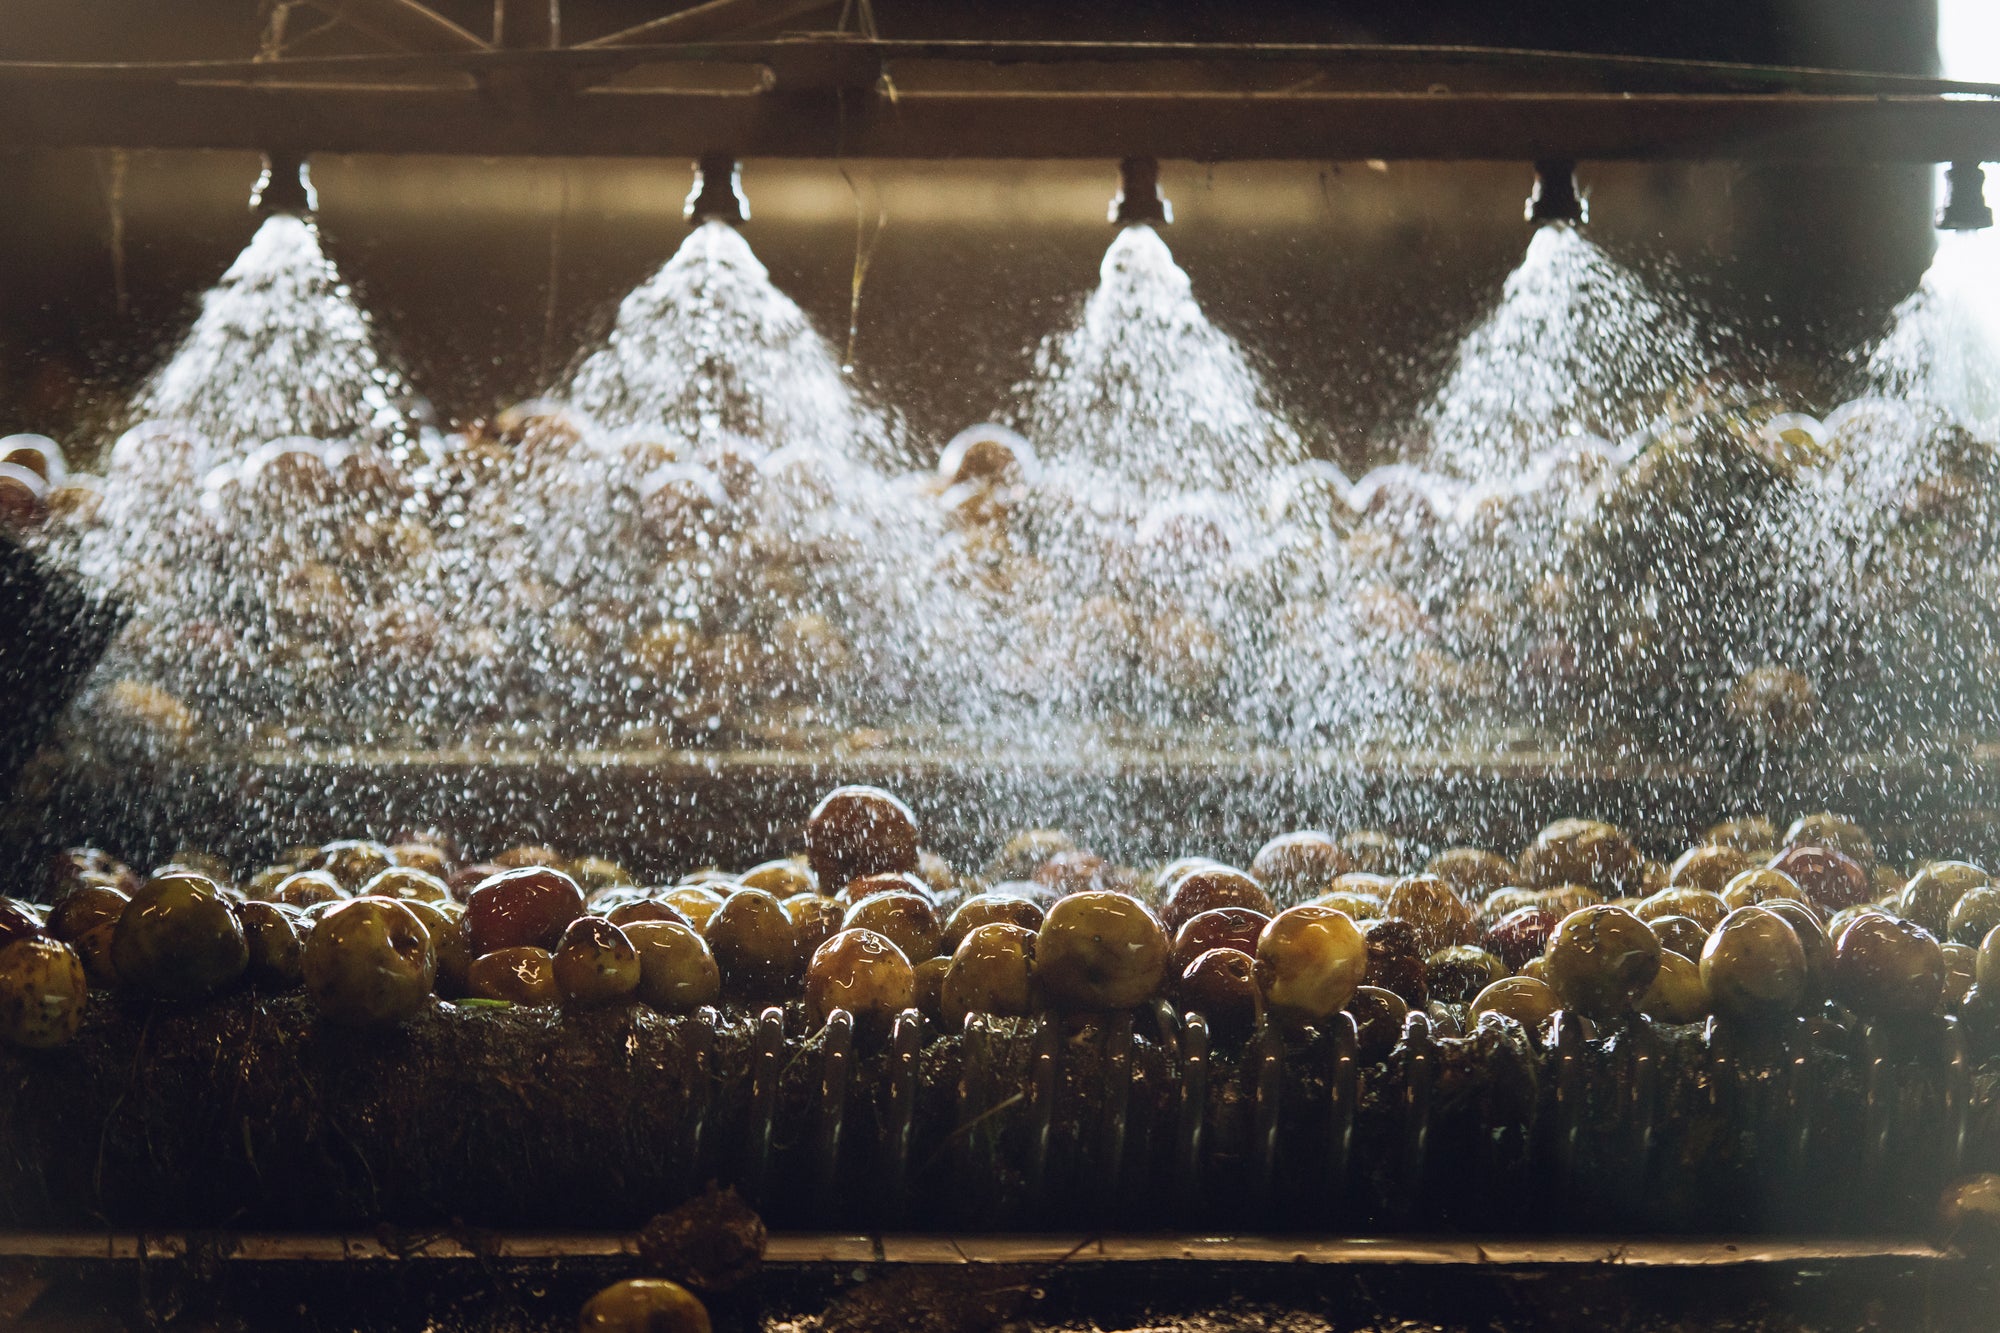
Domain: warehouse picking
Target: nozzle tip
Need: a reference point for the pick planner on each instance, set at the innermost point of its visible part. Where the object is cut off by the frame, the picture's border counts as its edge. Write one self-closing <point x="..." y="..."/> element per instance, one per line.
<point x="1965" y="207"/>
<point x="285" y="186"/>
<point x="1555" y="197"/>
<point x="718" y="192"/>
<point x="1139" y="198"/>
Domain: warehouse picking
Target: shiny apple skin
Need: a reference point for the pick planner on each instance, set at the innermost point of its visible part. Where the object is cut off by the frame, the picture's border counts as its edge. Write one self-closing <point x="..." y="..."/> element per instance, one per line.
<point x="526" y="907"/>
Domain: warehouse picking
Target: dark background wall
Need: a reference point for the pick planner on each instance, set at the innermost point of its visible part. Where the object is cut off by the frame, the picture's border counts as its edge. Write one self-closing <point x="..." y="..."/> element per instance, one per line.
<point x="1350" y="282"/>
<point x="1877" y="34"/>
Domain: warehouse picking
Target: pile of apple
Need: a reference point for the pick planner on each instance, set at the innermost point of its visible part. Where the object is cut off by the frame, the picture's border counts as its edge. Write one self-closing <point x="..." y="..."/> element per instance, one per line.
<point x="1745" y="923"/>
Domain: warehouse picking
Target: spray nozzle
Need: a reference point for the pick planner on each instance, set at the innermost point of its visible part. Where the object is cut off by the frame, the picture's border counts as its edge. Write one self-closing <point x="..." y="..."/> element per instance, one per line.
<point x="718" y="192"/>
<point x="285" y="186"/>
<point x="1139" y="198"/>
<point x="1555" y="197"/>
<point x="1965" y="207"/>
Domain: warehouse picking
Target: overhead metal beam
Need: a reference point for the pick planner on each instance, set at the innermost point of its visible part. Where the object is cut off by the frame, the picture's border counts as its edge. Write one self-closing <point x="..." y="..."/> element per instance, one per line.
<point x="108" y="111"/>
<point x="404" y="24"/>
<point x="527" y="25"/>
<point x="705" y="22"/>
<point x="1080" y="66"/>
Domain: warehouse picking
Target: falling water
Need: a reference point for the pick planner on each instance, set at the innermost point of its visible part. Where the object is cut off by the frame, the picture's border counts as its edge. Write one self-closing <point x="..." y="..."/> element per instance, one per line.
<point x="1578" y="344"/>
<point x="1895" y="541"/>
<point x="694" y="549"/>
<point x="1896" y="516"/>
<point x="1144" y="526"/>
<point x="1175" y="563"/>
<point x="1943" y="343"/>
<point x="701" y="541"/>
<point x="719" y="496"/>
<point x="1149" y="395"/>
<point x="697" y="541"/>
<point x="280" y="349"/>
<point x="709" y="348"/>
<point x="262" y="520"/>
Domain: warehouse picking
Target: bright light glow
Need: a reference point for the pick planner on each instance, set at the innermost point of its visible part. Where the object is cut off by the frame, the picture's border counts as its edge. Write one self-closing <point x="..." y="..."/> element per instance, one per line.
<point x="1941" y="344"/>
<point x="1969" y="51"/>
<point x="1969" y="40"/>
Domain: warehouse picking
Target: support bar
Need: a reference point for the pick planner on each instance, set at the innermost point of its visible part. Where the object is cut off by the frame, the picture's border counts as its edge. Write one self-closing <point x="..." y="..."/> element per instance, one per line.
<point x="1187" y="66"/>
<point x="85" y="111"/>
<point x="705" y="22"/>
<point x="403" y="24"/>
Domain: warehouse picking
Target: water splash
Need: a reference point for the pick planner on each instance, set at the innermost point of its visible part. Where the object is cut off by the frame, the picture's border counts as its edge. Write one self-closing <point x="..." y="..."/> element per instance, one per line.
<point x="1145" y="393"/>
<point x="1174" y="566"/>
<point x="708" y="349"/>
<point x="713" y="562"/>
<point x="280" y="349"/>
<point x="1578" y="345"/>
<point x="1896" y="546"/>
<point x="723" y="500"/>
<point x="701" y="549"/>
<point x="1943" y="343"/>
<point x="635" y="592"/>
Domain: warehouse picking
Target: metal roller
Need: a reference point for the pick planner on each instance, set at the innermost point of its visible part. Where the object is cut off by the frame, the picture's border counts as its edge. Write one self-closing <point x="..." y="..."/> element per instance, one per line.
<point x="836" y="1057"/>
<point x="1146" y="1119"/>
<point x="1032" y="1144"/>
<point x="1344" y="1095"/>
<point x="1192" y="1115"/>
<point x="766" y="1061"/>
<point x="1116" y="1129"/>
<point x="1268" y="1084"/>
<point x="1045" y="1072"/>
<point x="906" y="1039"/>
<point x="1413" y="1155"/>
<point x="700" y="1034"/>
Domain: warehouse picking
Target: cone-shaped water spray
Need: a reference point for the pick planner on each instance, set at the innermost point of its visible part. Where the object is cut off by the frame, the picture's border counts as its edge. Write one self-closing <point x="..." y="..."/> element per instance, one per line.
<point x="1145" y="389"/>
<point x="708" y="353"/>
<point x="280" y="347"/>
<point x="1942" y="348"/>
<point x="1578" y="344"/>
<point x="1178" y="545"/>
